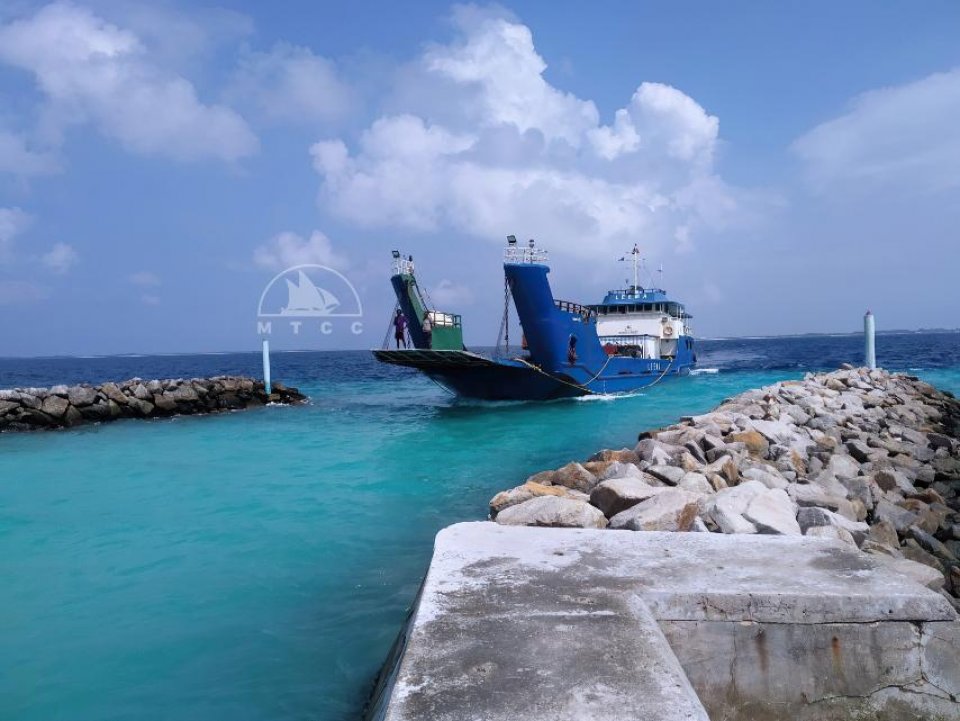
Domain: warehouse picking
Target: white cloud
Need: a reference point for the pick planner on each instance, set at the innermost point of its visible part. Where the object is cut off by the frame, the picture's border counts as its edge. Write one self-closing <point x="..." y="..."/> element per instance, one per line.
<point x="291" y="83"/>
<point x="495" y="58"/>
<point x="286" y="249"/>
<point x="150" y="299"/>
<point x="16" y="158"/>
<point x="450" y="295"/>
<point x="13" y="222"/>
<point x="906" y="135"/>
<point x="479" y="141"/>
<point x="14" y="292"/>
<point x="91" y="70"/>
<point x="60" y="258"/>
<point x="144" y="279"/>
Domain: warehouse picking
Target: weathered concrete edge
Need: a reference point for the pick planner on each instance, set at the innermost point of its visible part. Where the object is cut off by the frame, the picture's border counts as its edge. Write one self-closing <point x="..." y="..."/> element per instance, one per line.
<point x="769" y="599"/>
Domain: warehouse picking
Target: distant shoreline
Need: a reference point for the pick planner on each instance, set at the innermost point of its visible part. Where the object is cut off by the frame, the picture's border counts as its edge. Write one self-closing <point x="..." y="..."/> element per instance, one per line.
<point x="707" y="339"/>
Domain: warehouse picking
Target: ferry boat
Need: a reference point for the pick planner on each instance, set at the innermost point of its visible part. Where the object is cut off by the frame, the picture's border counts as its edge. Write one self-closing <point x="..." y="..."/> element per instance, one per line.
<point x="634" y="338"/>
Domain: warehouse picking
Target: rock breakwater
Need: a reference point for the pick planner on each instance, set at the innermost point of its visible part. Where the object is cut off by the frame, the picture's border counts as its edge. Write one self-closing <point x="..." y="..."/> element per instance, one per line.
<point x="862" y="456"/>
<point x="25" y="409"/>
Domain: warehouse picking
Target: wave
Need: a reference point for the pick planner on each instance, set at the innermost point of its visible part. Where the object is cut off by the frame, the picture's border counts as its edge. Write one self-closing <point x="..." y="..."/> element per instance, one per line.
<point x="704" y="371"/>
<point x="606" y="397"/>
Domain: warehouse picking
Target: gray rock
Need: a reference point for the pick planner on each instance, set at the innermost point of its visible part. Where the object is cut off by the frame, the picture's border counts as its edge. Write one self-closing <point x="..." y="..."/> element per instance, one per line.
<point x="773" y="512"/>
<point x="140" y="392"/>
<point x="72" y="417"/>
<point x="696" y="483"/>
<point x="859" y="450"/>
<point x="671" y="510"/>
<point x="96" y="412"/>
<point x="885" y="533"/>
<point x="113" y="392"/>
<point x="834" y="533"/>
<point x="698" y="526"/>
<point x="931" y="545"/>
<point x="525" y="492"/>
<point x="575" y="476"/>
<point x="767" y="477"/>
<point x="813" y="494"/>
<point x="60" y="390"/>
<point x="842" y="466"/>
<point x="81" y="395"/>
<point x="900" y="518"/>
<point x="775" y="431"/>
<point x="810" y="517"/>
<point x="696" y="451"/>
<point x="142" y="407"/>
<point x="863" y="489"/>
<point x="165" y="402"/>
<point x="919" y="572"/>
<point x="652" y="451"/>
<point x="912" y="550"/>
<point x="891" y="480"/>
<point x="726" y="467"/>
<point x="616" y="495"/>
<point x="553" y="512"/>
<point x="618" y="469"/>
<point x="55" y="405"/>
<point x="713" y="443"/>
<point x="938" y="440"/>
<point x="727" y="507"/>
<point x="185" y="394"/>
<point x="667" y="474"/>
<point x="878" y="548"/>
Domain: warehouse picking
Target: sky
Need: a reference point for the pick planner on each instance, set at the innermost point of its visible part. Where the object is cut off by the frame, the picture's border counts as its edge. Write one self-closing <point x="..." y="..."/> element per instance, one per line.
<point x="788" y="165"/>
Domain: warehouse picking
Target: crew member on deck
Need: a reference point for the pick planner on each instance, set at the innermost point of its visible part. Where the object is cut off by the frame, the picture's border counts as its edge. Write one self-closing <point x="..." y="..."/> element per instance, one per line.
<point x="399" y="328"/>
<point x="427" y="329"/>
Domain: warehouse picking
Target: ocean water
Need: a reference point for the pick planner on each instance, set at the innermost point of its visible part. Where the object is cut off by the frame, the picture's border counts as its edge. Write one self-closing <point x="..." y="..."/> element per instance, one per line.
<point x="258" y="565"/>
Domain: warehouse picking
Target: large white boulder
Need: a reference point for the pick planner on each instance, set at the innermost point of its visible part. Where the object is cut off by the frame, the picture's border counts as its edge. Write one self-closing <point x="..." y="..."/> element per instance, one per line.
<point x="673" y="509"/>
<point x="773" y="512"/>
<point x="553" y="511"/>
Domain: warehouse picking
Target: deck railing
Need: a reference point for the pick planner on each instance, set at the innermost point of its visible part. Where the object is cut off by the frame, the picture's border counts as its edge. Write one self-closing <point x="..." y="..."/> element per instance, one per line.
<point x="575" y="308"/>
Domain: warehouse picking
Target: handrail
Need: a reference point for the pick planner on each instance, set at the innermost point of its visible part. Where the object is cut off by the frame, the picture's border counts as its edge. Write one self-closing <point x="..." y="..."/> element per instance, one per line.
<point x="575" y="308"/>
<point x="516" y="254"/>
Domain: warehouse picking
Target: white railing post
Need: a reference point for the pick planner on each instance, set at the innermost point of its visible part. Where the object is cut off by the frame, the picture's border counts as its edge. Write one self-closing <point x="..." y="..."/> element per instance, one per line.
<point x="266" y="366"/>
<point x="869" y="333"/>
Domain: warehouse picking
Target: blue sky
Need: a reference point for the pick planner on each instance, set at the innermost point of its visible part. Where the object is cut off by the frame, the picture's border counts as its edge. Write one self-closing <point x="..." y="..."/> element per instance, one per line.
<point x="790" y="165"/>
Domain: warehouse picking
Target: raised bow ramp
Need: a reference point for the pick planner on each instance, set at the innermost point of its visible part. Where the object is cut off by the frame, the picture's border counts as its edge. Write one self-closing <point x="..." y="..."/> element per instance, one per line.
<point x="527" y="623"/>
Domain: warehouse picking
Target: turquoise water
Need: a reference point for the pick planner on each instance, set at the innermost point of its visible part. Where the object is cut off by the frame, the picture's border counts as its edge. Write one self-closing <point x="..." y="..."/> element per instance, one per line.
<point x="258" y="565"/>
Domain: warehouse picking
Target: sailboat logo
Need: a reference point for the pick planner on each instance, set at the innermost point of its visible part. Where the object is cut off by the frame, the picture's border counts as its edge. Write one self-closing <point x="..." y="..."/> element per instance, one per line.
<point x="304" y="298"/>
<point x="306" y="293"/>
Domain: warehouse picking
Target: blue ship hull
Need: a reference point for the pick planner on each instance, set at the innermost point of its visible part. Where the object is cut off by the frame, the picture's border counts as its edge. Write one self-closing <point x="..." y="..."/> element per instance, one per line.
<point x="567" y="357"/>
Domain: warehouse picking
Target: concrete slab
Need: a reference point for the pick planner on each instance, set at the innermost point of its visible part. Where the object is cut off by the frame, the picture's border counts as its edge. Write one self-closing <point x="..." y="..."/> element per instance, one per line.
<point x="697" y="576"/>
<point x="496" y="647"/>
<point x="527" y="623"/>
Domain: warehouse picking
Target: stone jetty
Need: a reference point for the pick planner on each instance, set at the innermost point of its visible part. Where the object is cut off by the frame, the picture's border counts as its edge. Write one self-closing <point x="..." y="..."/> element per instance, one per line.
<point x="864" y="457"/>
<point x="26" y="409"/>
<point x="798" y="560"/>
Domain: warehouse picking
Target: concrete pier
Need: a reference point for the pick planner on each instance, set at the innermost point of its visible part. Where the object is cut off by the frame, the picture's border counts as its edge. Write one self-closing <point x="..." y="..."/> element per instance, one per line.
<point x="533" y="623"/>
